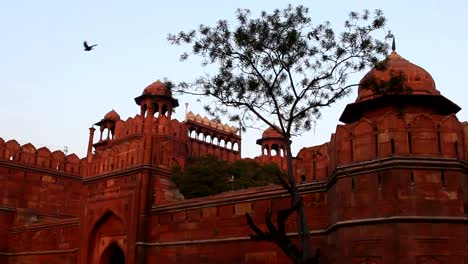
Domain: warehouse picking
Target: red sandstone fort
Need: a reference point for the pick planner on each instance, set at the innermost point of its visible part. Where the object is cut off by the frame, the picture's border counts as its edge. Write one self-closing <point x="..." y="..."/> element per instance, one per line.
<point x="390" y="186"/>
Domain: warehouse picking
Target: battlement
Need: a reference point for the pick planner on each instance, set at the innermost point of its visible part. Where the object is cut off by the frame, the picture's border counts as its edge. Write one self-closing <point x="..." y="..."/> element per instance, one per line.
<point x="43" y="158"/>
<point x="312" y="163"/>
<point x="399" y="134"/>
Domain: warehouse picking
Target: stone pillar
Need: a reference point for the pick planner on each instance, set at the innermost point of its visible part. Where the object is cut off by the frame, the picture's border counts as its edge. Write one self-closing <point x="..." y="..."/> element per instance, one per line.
<point x="90" y="142"/>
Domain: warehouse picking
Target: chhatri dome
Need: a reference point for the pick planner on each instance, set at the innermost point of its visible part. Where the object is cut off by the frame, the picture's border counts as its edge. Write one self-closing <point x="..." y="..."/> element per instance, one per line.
<point x="396" y="81"/>
<point x="415" y="80"/>
<point x="271" y="133"/>
<point x="112" y="115"/>
<point x="157" y="92"/>
<point x="157" y="88"/>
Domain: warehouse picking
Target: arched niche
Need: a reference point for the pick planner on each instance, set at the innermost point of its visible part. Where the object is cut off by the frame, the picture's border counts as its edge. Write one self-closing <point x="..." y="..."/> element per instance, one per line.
<point x="107" y="230"/>
<point x="422" y="136"/>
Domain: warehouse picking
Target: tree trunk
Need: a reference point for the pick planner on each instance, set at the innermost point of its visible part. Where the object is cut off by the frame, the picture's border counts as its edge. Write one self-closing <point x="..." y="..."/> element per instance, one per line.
<point x="302" y="227"/>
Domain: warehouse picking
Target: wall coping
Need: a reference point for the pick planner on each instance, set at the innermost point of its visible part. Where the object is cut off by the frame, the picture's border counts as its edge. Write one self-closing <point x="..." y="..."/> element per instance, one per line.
<point x="262" y="193"/>
<point x="332" y="228"/>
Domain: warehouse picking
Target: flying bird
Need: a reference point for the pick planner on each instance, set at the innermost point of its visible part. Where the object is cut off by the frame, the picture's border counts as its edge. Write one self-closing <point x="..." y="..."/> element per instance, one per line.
<point x="87" y="47"/>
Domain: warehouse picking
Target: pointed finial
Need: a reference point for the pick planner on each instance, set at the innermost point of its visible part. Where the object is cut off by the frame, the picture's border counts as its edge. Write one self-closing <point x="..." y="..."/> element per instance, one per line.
<point x="393" y="44"/>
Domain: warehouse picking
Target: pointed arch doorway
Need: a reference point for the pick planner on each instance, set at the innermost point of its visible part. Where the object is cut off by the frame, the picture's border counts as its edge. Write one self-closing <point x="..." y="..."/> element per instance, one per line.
<point x="107" y="240"/>
<point x="113" y="254"/>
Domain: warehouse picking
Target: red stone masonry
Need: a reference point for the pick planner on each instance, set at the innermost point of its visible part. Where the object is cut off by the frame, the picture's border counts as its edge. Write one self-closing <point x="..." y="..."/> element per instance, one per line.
<point x="390" y="186"/>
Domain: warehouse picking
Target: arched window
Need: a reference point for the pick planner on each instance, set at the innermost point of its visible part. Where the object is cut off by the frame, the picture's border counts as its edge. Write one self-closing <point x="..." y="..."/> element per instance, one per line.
<point x="143" y="110"/>
<point x="265" y="150"/>
<point x="222" y="143"/>
<point x="274" y="150"/>
<point x="200" y="136"/>
<point x="208" y="139"/>
<point x="193" y="134"/>
<point x="156" y="109"/>
<point x="164" y="110"/>
<point x="229" y="145"/>
<point x="215" y="140"/>
<point x="235" y="147"/>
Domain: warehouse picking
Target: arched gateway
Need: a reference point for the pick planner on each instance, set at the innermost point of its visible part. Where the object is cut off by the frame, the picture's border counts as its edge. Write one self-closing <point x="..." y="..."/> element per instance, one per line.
<point x="113" y="254"/>
<point x="107" y="240"/>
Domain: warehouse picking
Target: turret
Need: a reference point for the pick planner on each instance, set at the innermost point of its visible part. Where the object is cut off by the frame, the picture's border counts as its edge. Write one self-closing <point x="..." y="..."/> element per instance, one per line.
<point x="156" y="99"/>
<point x="273" y="143"/>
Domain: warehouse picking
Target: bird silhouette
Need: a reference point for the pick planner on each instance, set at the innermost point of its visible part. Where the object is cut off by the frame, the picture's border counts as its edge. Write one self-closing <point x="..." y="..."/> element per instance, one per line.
<point x="87" y="47"/>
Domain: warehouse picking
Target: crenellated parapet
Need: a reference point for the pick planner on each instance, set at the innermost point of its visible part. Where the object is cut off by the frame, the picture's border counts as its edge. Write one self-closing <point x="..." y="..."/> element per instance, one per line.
<point x="131" y="126"/>
<point x="396" y="134"/>
<point x="312" y="164"/>
<point x="211" y="137"/>
<point x="29" y="155"/>
<point x="125" y="148"/>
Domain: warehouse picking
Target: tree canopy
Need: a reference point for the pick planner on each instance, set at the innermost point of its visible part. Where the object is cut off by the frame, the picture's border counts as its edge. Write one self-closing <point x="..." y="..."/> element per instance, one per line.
<point x="208" y="175"/>
<point x="281" y="68"/>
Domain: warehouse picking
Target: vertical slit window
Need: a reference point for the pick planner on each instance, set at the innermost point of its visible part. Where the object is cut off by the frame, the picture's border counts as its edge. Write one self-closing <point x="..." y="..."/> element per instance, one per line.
<point x="314" y="167"/>
<point x="442" y="178"/>
<point x="439" y="143"/>
<point x="410" y="143"/>
<point x="392" y="146"/>
<point x="376" y="147"/>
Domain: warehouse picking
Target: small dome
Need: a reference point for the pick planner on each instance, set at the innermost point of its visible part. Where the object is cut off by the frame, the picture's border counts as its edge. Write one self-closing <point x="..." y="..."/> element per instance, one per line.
<point x="271" y="133"/>
<point x="112" y="115"/>
<point x="416" y="80"/>
<point x="157" y="88"/>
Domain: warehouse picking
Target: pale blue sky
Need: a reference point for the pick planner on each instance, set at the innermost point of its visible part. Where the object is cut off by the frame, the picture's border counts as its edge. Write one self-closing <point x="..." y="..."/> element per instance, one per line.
<point x="52" y="91"/>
